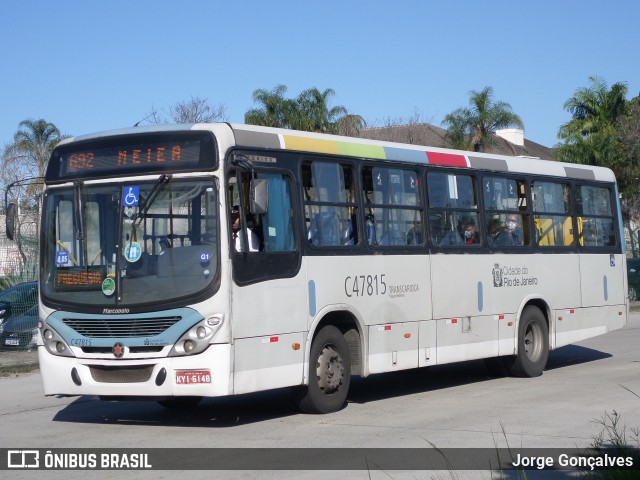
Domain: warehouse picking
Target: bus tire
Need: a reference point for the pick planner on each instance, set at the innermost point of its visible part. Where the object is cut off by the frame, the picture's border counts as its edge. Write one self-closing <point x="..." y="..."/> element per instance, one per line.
<point x="329" y="374"/>
<point x="180" y="402"/>
<point x="533" y="344"/>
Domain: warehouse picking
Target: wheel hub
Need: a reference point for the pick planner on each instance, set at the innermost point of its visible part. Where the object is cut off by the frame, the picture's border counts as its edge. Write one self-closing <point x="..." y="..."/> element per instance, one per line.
<point x="329" y="369"/>
<point x="533" y="342"/>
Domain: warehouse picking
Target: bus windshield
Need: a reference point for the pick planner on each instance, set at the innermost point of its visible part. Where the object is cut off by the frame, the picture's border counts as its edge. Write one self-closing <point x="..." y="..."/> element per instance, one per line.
<point x="150" y="242"/>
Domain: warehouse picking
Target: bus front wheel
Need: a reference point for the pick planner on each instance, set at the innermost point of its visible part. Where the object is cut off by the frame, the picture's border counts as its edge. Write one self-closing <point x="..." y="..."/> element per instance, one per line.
<point x="329" y="374"/>
<point x="533" y="344"/>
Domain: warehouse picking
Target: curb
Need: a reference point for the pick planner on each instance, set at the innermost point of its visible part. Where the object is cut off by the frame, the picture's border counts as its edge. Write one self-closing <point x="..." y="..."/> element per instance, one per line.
<point x="18" y="361"/>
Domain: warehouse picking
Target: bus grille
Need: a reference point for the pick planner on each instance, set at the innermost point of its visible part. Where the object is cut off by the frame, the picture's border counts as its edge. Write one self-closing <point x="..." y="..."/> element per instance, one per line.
<point x="120" y="327"/>
<point x="133" y="374"/>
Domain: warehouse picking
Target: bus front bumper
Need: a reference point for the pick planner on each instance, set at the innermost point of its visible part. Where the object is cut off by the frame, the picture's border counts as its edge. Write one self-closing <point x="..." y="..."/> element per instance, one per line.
<point x="206" y="374"/>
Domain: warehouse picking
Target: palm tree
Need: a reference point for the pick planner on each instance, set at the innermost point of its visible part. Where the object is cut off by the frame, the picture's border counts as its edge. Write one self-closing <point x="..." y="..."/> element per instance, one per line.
<point x="590" y="136"/>
<point x="32" y="146"/>
<point x="35" y="140"/>
<point x="314" y="114"/>
<point x="310" y="112"/>
<point x="276" y="111"/>
<point x="475" y="126"/>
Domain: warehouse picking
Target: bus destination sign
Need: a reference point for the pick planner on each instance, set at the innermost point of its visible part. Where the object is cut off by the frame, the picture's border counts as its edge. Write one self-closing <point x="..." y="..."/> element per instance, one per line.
<point x="142" y="156"/>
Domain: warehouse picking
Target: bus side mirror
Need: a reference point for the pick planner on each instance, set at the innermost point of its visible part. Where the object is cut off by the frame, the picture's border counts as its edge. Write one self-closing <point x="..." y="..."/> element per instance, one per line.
<point x="11" y="220"/>
<point x="259" y="196"/>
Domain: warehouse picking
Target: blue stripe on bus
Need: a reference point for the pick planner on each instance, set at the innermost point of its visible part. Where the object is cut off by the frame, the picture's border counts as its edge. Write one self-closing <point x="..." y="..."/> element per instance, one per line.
<point x="417" y="156"/>
<point x="312" y="298"/>
<point x="480" y="297"/>
<point x="606" y="288"/>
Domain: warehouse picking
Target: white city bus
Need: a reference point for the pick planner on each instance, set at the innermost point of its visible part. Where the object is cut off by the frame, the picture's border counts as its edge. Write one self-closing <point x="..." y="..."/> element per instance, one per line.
<point x="351" y="257"/>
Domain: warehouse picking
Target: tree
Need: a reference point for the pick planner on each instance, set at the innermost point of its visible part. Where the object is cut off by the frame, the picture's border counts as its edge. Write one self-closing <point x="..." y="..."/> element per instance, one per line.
<point x="474" y="127"/>
<point x="604" y="131"/>
<point x="33" y="143"/>
<point x="590" y="136"/>
<point x="274" y="111"/>
<point x="28" y="155"/>
<point x="594" y="110"/>
<point x="25" y="158"/>
<point x="350" y="125"/>
<point x="628" y="171"/>
<point x="314" y="113"/>
<point x="310" y="112"/>
<point x="194" y="110"/>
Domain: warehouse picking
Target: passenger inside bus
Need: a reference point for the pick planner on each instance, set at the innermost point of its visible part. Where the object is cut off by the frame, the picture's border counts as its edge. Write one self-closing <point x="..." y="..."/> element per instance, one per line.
<point x="508" y="233"/>
<point x="514" y="230"/>
<point x="465" y="235"/>
<point x="236" y="238"/>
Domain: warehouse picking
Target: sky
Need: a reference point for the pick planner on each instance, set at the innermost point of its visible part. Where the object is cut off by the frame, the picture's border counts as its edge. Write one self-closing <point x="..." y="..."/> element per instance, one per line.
<point x="88" y="66"/>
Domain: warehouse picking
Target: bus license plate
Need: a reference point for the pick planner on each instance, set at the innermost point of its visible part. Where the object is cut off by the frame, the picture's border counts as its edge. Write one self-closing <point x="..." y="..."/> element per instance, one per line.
<point x="192" y="376"/>
<point x="12" y="341"/>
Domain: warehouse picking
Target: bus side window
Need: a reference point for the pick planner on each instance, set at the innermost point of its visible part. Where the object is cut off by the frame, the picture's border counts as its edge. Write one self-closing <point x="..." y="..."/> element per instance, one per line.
<point x="595" y="217"/>
<point x="392" y="197"/>
<point x="552" y="220"/>
<point x="453" y="210"/>
<point x="329" y="204"/>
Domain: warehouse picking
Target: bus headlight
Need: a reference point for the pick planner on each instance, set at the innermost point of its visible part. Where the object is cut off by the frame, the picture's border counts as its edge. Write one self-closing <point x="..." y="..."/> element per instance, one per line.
<point x="197" y="338"/>
<point x="201" y="332"/>
<point x="53" y="342"/>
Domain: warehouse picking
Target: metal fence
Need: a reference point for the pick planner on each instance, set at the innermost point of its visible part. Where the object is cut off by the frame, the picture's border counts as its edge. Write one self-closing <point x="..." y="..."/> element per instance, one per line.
<point x="19" y="257"/>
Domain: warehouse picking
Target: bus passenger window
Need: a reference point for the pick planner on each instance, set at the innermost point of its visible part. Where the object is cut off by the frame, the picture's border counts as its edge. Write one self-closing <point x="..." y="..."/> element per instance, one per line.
<point x="552" y="220"/>
<point x="506" y="217"/>
<point x="453" y="210"/>
<point x="392" y="198"/>
<point x="595" y="217"/>
<point x="330" y="204"/>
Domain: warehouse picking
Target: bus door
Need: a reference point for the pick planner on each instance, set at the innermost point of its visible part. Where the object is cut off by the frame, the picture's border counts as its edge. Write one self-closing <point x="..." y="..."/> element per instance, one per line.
<point x="268" y="292"/>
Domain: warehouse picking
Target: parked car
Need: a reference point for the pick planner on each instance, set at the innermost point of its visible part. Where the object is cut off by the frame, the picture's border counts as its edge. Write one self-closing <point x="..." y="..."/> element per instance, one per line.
<point x="17" y="300"/>
<point x="19" y="332"/>
<point x="633" y="277"/>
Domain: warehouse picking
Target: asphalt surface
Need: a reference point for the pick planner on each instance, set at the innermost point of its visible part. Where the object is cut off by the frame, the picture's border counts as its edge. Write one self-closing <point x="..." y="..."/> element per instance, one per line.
<point x="26" y="360"/>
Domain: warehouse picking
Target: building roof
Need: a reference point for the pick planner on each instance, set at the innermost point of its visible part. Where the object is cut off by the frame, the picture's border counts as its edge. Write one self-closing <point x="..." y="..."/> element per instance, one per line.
<point x="430" y="135"/>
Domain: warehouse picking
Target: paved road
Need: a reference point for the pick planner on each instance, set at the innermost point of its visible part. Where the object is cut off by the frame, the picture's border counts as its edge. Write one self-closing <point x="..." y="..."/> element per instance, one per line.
<point x="447" y="406"/>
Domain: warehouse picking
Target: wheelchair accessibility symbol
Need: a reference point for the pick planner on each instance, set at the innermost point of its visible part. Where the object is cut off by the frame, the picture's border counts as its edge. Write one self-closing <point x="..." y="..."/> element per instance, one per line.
<point x="130" y="196"/>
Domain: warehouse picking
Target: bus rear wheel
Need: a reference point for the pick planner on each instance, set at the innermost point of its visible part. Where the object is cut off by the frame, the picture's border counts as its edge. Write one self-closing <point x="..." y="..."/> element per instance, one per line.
<point x="329" y="374"/>
<point x="533" y="344"/>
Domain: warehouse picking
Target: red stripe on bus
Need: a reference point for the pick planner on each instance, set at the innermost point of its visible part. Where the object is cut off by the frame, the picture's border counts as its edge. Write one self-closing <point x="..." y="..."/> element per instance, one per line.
<point x="437" y="158"/>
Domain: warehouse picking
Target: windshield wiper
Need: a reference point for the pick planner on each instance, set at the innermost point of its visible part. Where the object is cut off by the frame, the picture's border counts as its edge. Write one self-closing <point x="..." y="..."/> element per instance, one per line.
<point x="151" y="198"/>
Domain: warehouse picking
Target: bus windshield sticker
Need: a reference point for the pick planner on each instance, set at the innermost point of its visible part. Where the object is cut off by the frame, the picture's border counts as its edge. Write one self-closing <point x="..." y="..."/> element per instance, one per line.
<point x="130" y="196"/>
<point x="133" y="252"/>
<point x="62" y="258"/>
<point x="453" y="187"/>
<point x="108" y="286"/>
